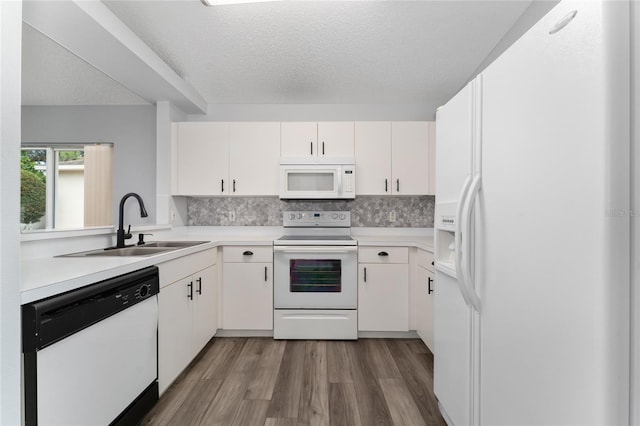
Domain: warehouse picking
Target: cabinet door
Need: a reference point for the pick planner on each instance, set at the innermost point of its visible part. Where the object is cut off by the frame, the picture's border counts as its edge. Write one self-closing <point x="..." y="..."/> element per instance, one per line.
<point x="298" y="139"/>
<point x="335" y="139"/>
<point x="431" y="159"/>
<point x="373" y="157"/>
<point x="409" y="145"/>
<point x="254" y="158"/>
<point x="247" y="296"/>
<point x="383" y="297"/>
<point x="424" y="306"/>
<point x="205" y="307"/>
<point x="174" y="331"/>
<point x="202" y="151"/>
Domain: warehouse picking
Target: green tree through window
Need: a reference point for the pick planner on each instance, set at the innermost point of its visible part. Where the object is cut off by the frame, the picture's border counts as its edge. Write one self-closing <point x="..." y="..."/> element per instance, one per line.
<point x="33" y="187"/>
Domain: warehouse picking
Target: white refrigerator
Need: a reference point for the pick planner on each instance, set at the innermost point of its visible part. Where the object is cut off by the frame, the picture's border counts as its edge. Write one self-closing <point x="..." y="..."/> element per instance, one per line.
<point x="532" y="296"/>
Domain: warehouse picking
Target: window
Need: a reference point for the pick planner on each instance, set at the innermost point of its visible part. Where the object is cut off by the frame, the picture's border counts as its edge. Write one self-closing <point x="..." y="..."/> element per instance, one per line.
<point x="66" y="186"/>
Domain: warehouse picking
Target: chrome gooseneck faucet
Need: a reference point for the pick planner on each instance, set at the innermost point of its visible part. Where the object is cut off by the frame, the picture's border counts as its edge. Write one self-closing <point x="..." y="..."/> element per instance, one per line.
<point x="121" y="234"/>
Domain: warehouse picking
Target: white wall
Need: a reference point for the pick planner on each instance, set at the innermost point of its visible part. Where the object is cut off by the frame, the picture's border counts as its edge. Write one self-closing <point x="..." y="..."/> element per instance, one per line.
<point x="131" y="129"/>
<point x="170" y="210"/>
<point x="10" y="83"/>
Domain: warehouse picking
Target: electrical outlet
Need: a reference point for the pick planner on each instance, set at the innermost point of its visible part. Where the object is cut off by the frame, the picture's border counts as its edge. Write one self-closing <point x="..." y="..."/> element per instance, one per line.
<point x="392" y="216"/>
<point x="232" y="216"/>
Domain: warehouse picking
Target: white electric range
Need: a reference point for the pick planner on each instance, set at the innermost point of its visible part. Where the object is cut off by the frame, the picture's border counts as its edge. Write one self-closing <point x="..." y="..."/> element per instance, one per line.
<point x="315" y="277"/>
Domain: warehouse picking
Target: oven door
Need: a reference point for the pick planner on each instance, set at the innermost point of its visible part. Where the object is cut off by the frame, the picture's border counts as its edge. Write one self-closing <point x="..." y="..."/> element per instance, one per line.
<point x="317" y="277"/>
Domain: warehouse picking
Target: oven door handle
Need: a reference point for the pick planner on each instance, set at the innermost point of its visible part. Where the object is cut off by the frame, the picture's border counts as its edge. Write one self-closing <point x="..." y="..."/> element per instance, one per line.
<point x="315" y="249"/>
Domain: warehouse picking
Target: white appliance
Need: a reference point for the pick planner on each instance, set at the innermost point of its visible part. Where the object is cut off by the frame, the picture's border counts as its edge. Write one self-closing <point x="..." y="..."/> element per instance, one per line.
<point x="531" y="310"/>
<point x="315" y="277"/>
<point x="309" y="179"/>
<point x="90" y="355"/>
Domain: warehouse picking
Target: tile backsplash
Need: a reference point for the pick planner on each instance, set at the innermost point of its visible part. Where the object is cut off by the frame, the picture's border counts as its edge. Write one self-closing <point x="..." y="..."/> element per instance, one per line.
<point x="366" y="210"/>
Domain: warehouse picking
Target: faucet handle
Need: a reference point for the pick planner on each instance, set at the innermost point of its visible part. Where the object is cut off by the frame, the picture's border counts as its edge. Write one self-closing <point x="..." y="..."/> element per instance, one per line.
<point x="127" y="234"/>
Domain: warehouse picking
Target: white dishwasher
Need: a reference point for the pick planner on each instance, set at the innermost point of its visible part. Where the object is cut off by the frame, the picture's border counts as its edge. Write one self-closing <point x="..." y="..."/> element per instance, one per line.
<point x="90" y="355"/>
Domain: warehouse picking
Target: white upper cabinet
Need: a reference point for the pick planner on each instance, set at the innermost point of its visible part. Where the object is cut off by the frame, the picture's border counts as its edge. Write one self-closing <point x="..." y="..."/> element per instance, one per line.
<point x="409" y="157"/>
<point x="299" y="139"/>
<point x="201" y="158"/>
<point x="216" y="158"/>
<point x="431" y="162"/>
<point x="317" y="139"/>
<point x="254" y="158"/>
<point x="373" y="157"/>
<point x="335" y="139"/>
<point x="394" y="157"/>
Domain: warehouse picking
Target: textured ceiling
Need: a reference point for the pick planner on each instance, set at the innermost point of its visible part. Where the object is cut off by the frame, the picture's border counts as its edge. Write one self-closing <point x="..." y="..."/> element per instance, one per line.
<point x="53" y="76"/>
<point x="300" y="52"/>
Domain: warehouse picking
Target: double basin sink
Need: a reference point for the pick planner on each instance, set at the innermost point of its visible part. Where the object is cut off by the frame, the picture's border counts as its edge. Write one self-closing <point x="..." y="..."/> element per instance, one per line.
<point x="147" y="249"/>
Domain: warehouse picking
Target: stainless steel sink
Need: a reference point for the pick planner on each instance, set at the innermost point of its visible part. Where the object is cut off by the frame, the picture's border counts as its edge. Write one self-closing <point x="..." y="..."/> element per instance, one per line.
<point x="147" y="249"/>
<point x="172" y="244"/>
<point x="123" y="252"/>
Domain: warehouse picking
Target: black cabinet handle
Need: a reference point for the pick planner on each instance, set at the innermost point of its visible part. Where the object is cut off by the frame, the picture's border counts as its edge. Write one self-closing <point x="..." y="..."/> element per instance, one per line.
<point x="397" y="185"/>
<point x="199" y="290"/>
<point x="365" y="274"/>
<point x="429" y="289"/>
<point x="190" y="295"/>
<point x="265" y="274"/>
<point x="311" y="144"/>
<point x="222" y="185"/>
<point x="322" y="148"/>
<point x="248" y="253"/>
<point x="234" y="185"/>
<point x="383" y="253"/>
<point x="433" y="263"/>
<point x="386" y="185"/>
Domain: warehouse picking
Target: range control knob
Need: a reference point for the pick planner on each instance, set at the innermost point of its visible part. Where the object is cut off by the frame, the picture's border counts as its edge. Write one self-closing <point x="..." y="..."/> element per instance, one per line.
<point x="342" y="216"/>
<point x="292" y="216"/>
<point x="299" y="216"/>
<point x="334" y="216"/>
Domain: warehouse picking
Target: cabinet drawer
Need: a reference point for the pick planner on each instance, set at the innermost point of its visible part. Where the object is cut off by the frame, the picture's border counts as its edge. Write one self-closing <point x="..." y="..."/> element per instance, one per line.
<point x="247" y="254"/>
<point x="383" y="255"/>
<point x="425" y="259"/>
<point x="176" y="269"/>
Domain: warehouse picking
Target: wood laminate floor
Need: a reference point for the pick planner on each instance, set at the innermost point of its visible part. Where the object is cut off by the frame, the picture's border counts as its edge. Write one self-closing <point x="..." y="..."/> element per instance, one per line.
<point x="266" y="382"/>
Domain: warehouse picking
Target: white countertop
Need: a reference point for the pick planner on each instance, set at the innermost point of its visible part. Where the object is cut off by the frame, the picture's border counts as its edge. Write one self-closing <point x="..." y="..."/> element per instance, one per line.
<point x="421" y="242"/>
<point x="47" y="276"/>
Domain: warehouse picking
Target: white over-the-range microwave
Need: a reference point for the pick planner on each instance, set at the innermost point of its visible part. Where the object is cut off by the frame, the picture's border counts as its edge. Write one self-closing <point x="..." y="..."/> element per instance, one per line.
<point x="325" y="179"/>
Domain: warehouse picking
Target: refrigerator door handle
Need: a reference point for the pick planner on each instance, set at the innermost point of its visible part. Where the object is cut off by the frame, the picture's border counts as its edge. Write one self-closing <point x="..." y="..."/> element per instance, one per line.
<point x="458" y="238"/>
<point x="467" y="282"/>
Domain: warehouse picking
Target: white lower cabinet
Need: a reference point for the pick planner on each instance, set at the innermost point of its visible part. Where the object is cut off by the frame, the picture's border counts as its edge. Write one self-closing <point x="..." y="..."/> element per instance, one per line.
<point x="188" y="306"/>
<point x="247" y="288"/>
<point x="423" y="288"/>
<point x="383" y="289"/>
